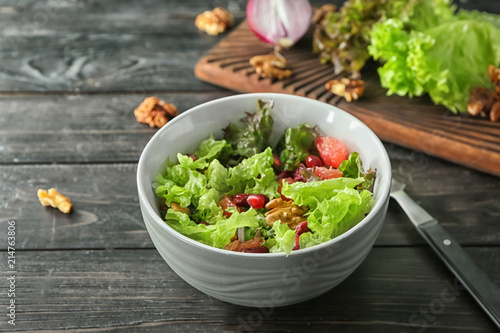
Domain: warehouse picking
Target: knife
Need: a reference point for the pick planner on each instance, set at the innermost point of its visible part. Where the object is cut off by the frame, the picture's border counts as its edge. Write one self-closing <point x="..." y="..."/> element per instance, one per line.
<point x="474" y="279"/>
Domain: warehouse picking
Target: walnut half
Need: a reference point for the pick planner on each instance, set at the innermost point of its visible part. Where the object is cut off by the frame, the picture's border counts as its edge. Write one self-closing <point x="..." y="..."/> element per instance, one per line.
<point x="155" y="112"/>
<point x="270" y="65"/>
<point x="55" y="199"/>
<point x="350" y="89"/>
<point x="482" y="101"/>
<point x="214" y="22"/>
<point x="285" y="211"/>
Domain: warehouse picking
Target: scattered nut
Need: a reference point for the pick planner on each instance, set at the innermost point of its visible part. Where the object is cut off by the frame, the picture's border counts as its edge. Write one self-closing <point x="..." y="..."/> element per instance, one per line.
<point x="350" y="89"/>
<point x="494" y="74"/>
<point x="214" y="22"/>
<point x="155" y="112"/>
<point x="270" y="65"/>
<point x="175" y="206"/>
<point x="480" y="101"/>
<point x="285" y="211"/>
<point x="55" y="199"/>
<point x="495" y="112"/>
<point x="237" y="246"/>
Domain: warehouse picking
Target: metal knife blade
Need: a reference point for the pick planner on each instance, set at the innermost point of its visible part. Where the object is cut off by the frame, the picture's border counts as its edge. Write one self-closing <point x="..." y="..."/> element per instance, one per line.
<point x="474" y="279"/>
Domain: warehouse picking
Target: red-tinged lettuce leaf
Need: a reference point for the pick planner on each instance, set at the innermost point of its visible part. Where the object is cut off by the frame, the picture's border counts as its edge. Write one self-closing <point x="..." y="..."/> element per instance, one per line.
<point x="295" y="145"/>
<point x="253" y="136"/>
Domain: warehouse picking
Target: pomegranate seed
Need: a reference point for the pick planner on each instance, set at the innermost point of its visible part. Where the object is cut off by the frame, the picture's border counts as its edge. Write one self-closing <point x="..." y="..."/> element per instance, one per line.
<point x="313" y="161"/>
<point x="193" y="156"/>
<point x="241" y="199"/>
<point x="257" y="249"/>
<point x="299" y="230"/>
<point x="257" y="201"/>
<point x="277" y="161"/>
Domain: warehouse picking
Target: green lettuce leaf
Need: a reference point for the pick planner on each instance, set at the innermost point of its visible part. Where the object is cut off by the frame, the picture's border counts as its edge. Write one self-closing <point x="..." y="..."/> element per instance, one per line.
<point x="445" y="61"/>
<point x="284" y="238"/>
<point x="426" y="14"/>
<point x="253" y="136"/>
<point x="226" y="228"/>
<point x="189" y="163"/>
<point x="255" y="175"/>
<point x="188" y="194"/>
<point x="295" y="145"/>
<point x="353" y="168"/>
<point x="308" y="239"/>
<point x="181" y="183"/>
<point x="335" y="207"/>
<point x="312" y="193"/>
<point x="210" y="149"/>
<point x="216" y="235"/>
<point x="208" y="208"/>
<point x="217" y="176"/>
<point x="181" y="223"/>
<point x="335" y="216"/>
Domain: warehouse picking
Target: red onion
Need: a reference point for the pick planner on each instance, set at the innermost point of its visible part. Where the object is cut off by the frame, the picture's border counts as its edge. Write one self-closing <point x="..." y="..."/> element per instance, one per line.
<point x="241" y="234"/>
<point x="279" y="22"/>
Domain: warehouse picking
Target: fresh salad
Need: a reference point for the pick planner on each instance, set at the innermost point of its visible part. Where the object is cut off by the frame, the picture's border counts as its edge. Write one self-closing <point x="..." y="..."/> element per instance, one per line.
<point x="240" y="194"/>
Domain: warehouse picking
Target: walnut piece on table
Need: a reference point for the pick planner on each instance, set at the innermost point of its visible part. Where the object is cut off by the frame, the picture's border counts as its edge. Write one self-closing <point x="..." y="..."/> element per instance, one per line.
<point x="350" y="89"/>
<point x="270" y="65"/>
<point x="285" y="211"/>
<point x="483" y="102"/>
<point x="55" y="199"/>
<point x="155" y="112"/>
<point x="214" y="22"/>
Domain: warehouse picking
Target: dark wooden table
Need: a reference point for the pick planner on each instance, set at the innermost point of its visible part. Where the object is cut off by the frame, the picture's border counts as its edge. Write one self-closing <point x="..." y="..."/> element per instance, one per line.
<point x="71" y="73"/>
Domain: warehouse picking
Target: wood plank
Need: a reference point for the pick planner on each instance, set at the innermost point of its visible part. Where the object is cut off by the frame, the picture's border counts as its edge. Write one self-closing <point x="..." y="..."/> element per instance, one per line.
<point x="57" y="17"/>
<point x="36" y="17"/>
<point x="394" y="290"/>
<point x="107" y="215"/>
<point x="90" y="46"/>
<point x="413" y="123"/>
<point x="103" y="62"/>
<point x="79" y="128"/>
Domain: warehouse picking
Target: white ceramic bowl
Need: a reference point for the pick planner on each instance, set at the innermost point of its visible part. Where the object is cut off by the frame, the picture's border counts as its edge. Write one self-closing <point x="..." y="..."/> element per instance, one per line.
<point x="270" y="279"/>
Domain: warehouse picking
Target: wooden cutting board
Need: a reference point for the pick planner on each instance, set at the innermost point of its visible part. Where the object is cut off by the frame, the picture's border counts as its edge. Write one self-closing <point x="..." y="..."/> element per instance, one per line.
<point x="413" y="123"/>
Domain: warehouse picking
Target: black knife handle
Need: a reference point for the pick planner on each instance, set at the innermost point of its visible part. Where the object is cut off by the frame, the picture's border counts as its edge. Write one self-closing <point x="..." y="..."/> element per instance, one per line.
<point x="474" y="279"/>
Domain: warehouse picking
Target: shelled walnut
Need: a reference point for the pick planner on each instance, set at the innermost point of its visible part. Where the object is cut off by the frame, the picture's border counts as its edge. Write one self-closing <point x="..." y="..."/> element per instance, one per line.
<point x="55" y="199"/>
<point x="155" y="112"/>
<point x="214" y="22"/>
<point x="350" y="89"/>
<point x="175" y="206"/>
<point x="270" y="65"/>
<point x="285" y="211"/>
<point x="482" y="101"/>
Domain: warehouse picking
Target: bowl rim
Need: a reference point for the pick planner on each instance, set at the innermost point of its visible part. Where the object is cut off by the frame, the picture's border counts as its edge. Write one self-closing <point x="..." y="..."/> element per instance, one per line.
<point x="147" y="206"/>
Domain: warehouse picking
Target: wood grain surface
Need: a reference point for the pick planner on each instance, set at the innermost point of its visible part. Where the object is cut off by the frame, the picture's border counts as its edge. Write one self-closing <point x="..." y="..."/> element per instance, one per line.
<point x="106" y="212"/>
<point x="72" y="71"/>
<point x="80" y="128"/>
<point x="135" y="290"/>
<point x="414" y="123"/>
